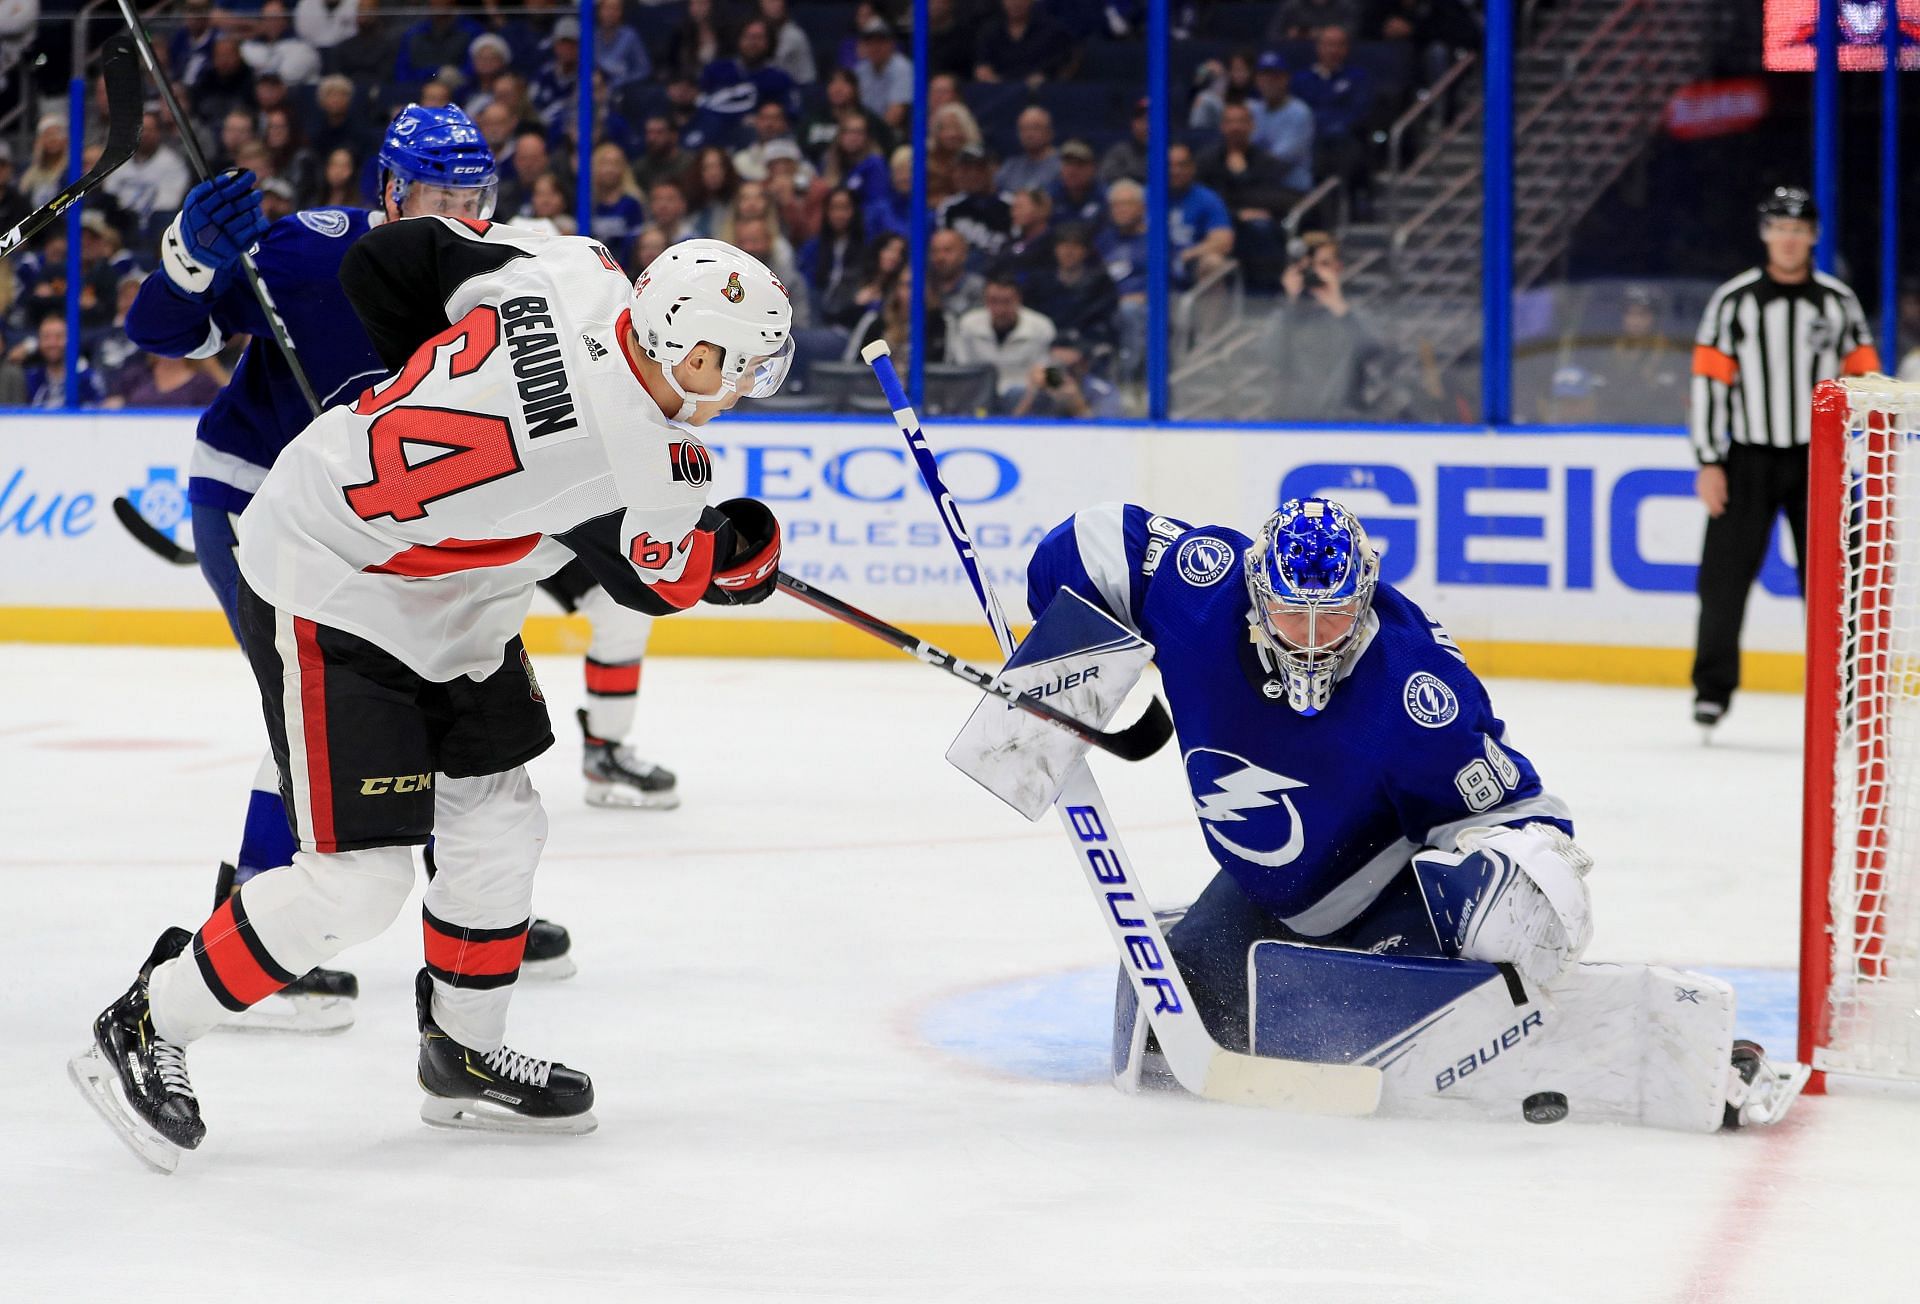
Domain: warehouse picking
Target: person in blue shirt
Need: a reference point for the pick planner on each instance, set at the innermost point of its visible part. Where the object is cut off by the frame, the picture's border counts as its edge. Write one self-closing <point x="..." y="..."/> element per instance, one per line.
<point x="1341" y="97"/>
<point x="1199" y="228"/>
<point x="1283" y="123"/>
<point x="618" y="50"/>
<point x="46" y="369"/>
<point x="732" y="88"/>
<point x="555" y="85"/>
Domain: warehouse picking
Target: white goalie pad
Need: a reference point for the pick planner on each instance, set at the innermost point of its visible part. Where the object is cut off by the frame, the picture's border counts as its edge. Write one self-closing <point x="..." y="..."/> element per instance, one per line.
<point x="1078" y="660"/>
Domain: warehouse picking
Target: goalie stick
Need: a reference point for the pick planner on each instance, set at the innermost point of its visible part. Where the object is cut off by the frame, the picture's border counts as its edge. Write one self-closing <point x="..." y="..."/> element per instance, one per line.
<point x="1136" y="742"/>
<point x="122" y="77"/>
<point x="1200" y="1064"/>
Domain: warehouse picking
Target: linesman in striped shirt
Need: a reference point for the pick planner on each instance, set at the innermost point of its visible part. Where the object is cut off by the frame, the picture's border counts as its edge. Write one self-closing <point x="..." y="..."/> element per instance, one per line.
<point x="1767" y="337"/>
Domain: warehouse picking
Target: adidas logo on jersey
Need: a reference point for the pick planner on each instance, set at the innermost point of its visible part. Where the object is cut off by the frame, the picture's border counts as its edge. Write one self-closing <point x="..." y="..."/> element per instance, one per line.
<point x="595" y="349"/>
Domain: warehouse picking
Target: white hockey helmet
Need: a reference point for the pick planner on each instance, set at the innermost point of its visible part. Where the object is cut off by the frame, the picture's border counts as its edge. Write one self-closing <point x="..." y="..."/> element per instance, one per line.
<point x="708" y="292"/>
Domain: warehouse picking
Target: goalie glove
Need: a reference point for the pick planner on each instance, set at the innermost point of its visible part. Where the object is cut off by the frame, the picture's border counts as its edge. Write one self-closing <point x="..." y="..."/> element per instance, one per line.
<point x="1510" y="896"/>
<point x="220" y="220"/>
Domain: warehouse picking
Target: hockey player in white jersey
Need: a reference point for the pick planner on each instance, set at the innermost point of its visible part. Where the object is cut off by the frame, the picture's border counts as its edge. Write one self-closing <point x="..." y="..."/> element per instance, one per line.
<point x="546" y="410"/>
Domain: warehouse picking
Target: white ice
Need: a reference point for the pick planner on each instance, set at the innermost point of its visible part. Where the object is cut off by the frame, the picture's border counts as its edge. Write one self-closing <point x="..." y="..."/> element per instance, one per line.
<point x="758" y="972"/>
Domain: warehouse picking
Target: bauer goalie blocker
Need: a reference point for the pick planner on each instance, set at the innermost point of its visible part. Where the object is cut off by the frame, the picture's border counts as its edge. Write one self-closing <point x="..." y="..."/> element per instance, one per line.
<point x="1860" y="895"/>
<point x="1078" y="660"/>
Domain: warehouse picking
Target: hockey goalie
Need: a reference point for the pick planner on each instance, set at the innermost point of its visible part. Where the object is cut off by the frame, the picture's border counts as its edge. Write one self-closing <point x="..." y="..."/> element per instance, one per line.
<point x="1395" y="888"/>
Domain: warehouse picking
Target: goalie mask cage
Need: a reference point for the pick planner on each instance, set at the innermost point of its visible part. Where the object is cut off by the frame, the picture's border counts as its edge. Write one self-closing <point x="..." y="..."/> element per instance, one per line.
<point x="1860" y="889"/>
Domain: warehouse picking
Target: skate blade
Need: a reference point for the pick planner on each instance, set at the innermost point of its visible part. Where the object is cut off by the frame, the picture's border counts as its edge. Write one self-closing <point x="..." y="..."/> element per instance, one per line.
<point x="619" y="797"/>
<point x="549" y="971"/>
<point x="483" y="1116"/>
<point x="95" y="1079"/>
<point x="311" y="1016"/>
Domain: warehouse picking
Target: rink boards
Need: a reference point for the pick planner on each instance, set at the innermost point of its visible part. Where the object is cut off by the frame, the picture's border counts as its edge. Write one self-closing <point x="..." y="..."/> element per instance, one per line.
<point x="1562" y="555"/>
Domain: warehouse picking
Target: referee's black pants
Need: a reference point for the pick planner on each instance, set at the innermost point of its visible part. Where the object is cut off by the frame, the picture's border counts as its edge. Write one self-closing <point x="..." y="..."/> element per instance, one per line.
<point x="1761" y="483"/>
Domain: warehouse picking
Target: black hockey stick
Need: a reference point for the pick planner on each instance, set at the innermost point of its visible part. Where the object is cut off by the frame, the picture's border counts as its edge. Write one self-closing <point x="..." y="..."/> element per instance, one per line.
<point x="1136" y="742"/>
<point x="148" y="535"/>
<point x="191" y="144"/>
<point x="122" y="76"/>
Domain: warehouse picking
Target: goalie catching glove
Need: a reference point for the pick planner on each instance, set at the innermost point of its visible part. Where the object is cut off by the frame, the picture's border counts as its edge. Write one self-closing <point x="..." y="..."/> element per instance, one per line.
<point x="1510" y="896"/>
<point x="747" y="575"/>
<point x="219" y="222"/>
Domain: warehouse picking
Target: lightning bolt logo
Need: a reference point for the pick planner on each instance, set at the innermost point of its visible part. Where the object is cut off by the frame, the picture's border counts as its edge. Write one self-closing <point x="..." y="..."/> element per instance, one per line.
<point x="1240" y="786"/>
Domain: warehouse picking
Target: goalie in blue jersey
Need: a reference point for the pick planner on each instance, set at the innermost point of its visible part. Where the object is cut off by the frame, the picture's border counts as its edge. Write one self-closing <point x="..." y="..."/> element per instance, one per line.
<point x="1395" y="886"/>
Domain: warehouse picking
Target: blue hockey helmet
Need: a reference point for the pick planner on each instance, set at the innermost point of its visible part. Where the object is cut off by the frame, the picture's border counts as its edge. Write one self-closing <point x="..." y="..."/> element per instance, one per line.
<point x="1311" y="575"/>
<point x="442" y="149"/>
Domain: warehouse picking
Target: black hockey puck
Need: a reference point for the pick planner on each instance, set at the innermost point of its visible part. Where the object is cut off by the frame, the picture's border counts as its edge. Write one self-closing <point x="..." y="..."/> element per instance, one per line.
<point x="1544" y="1107"/>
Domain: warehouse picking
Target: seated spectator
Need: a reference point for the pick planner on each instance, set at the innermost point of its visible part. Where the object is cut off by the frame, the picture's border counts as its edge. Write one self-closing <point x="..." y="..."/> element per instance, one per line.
<point x="524" y="164"/>
<point x="1022" y="45"/>
<point x="1078" y="195"/>
<point x="951" y="288"/>
<point x="974" y="210"/>
<point x="885" y="75"/>
<point x="892" y="212"/>
<point x="324" y="24"/>
<point x="225" y="84"/>
<point x="1320" y="345"/>
<point x="292" y="159"/>
<point x="44" y="359"/>
<point x="269" y="92"/>
<point x="113" y="354"/>
<point x="791" y="186"/>
<point x="549" y="208"/>
<point x="770" y="123"/>
<point x="1122" y="249"/>
<point x="1643" y="376"/>
<point x="1199" y="228"/>
<point x="496" y="126"/>
<point x="156" y="381"/>
<point x="891" y="320"/>
<point x="1304" y="20"/>
<point x="759" y="238"/>
<point x="340" y="182"/>
<point x="191" y="45"/>
<point x="1126" y="160"/>
<point x="618" y="50"/>
<point x="731" y="89"/>
<point x="1003" y="334"/>
<point x="1076" y="293"/>
<point x="236" y="133"/>
<point x="13" y="205"/>
<point x="713" y="186"/>
<point x="275" y="48"/>
<point x="699" y="38"/>
<point x="886" y="268"/>
<point x="1030" y="243"/>
<point x="1064" y="386"/>
<point x="1341" y="97"/>
<point x="1036" y="165"/>
<point x="649" y="245"/>
<point x="942" y="89"/>
<point x="617" y="215"/>
<point x="662" y="158"/>
<point x="753" y="202"/>
<point x="368" y="57"/>
<point x="792" y="51"/>
<point x="950" y="129"/>
<point x="277" y="199"/>
<point x="557" y="85"/>
<point x="335" y="125"/>
<point x="1219" y="85"/>
<point x="253" y="157"/>
<point x="511" y="92"/>
<point x="833" y="262"/>
<point x="667" y="211"/>
<point x="1283" y="125"/>
<point x="490" y="57"/>
<point x="151" y="183"/>
<point x="820" y="128"/>
<point x="853" y="162"/>
<point x="1251" y="181"/>
<point x="524" y="30"/>
<point x="436" y="42"/>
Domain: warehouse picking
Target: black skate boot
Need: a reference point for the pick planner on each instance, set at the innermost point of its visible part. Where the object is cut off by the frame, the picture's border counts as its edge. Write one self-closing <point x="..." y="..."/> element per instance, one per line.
<point x="549" y="953"/>
<point x="319" y="1002"/>
<point x="495" y="1091"/>
<point x="135" y="1080"/>
<point x="616" y="777"/>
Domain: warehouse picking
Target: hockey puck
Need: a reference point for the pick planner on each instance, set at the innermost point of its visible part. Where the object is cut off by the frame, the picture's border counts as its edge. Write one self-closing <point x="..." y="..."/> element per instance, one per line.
<point x="1544" y="1107"/>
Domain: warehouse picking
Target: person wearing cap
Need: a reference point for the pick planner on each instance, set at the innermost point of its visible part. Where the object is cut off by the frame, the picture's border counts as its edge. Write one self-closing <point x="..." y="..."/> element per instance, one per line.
<point x="275" y="48"/>
<point x="1767" y="337"/>
<point x="973" y="209"/>
<point x="324" y="24"/>
<point x="1283" y="124"/>
<point x="153" y="181"/>
<point x="336" y="125"/>
<point x="1078" y="195"/>
<point x="771" y="125"/>
<point x="558" y="80"/>
<point x="1036" y="166"/>
<point x="491" y="58"/>
<point x="438" y="41"/>
<point x="1126" y="159"/>
<point x="885" y="75"/>
<point x="1022" y="45"/>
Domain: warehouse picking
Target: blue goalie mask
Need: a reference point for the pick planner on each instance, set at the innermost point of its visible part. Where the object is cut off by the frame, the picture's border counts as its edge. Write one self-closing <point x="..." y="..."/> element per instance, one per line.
<point x="1311" y="575"/>
<point x="438" y="157"/>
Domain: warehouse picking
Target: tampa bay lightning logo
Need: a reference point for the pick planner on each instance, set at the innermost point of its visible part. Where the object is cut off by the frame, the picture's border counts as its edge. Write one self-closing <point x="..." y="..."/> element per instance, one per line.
<point x="324" y="221"/>
<point x="1203" y="561"/>
<point x="1229" y="789"/>
<point x="1429" y="701"/>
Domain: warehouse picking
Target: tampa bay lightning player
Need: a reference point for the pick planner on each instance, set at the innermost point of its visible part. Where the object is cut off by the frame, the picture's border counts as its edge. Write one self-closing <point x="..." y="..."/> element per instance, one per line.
<point x="1360" y="796"/>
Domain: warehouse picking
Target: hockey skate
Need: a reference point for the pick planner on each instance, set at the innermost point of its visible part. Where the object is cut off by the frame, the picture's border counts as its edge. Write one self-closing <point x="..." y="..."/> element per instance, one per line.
<point x="549" y="953"/>
<point x="496" y="1091"/>
<point x="616" y="777"/>
<point x="136" y="1081"/>
<point x="317" y="1003"/>
<point x="1759" y="1092"/>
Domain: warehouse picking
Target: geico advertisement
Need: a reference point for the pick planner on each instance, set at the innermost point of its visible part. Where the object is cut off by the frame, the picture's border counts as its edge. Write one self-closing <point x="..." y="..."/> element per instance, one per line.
<point x="1542" y="538"/>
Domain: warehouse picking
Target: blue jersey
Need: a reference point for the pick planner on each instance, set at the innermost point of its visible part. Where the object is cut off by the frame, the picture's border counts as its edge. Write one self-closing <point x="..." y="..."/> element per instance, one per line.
<point x="261" y="409"/>
<point x="1311" y="815"/>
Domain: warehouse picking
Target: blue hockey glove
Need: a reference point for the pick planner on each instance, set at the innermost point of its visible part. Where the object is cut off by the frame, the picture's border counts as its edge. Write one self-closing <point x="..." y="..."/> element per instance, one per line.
<point x="220" y="221"/>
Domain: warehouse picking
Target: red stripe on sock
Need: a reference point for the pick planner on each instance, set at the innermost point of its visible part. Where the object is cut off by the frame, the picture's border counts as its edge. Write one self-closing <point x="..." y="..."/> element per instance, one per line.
<point x="621" y="680"/>
<point x="474" y="959"/>
<point x="313" y="716"/>
<point x="232" y="959"/>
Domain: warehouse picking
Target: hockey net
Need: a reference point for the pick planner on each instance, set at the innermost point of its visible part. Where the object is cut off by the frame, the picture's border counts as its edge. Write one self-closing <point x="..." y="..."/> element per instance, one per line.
<point x="1860" y="895"/>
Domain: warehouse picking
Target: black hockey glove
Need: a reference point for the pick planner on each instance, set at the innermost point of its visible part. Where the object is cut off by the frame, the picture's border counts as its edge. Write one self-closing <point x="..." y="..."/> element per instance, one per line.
<point x="748" y="574"/>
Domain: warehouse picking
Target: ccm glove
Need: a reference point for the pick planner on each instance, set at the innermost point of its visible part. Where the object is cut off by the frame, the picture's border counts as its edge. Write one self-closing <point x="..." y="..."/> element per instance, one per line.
<point x="220" y="220"/>
<point x="749" y="573"/>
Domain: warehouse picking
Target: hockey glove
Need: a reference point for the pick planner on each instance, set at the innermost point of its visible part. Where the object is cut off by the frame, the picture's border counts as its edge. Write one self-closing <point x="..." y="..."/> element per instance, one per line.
<point x="1510" y="896"/>
<point x="748" y="575"/>
<point x="220" y="220"/>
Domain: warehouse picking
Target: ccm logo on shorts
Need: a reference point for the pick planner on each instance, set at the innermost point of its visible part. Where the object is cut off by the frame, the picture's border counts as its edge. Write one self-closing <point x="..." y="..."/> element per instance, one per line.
<point x="396" y="783"/>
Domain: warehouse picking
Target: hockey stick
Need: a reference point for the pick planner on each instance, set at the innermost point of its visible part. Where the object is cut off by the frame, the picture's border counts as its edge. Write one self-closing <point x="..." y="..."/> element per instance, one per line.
<point x="1200" y="1064"/>
<point x="1136" y="742"/>
<point x="191" y="144"/>
<point x="148" y="535"/>
<point x="122" y="76"/>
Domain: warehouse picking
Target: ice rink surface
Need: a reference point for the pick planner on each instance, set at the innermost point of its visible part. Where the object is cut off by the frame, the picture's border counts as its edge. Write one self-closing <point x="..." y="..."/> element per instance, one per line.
<point x="764" y="976"/>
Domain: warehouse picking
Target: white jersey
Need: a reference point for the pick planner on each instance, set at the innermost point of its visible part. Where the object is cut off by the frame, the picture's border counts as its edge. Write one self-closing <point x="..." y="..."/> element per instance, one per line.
<point x="420" y="516"/>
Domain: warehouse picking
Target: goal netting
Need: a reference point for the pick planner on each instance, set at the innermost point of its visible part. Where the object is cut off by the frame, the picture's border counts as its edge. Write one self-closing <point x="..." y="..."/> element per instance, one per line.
<point x="1860" y="899"/>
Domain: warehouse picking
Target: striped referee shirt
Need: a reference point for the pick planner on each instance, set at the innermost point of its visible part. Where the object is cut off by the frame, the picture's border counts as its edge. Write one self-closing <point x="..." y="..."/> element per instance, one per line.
<point x="1761" y="348"/>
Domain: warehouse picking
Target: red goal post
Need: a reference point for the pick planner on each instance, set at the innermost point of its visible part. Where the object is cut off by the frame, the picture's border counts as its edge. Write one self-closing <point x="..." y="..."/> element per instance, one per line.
<point x="1860" y="859"/>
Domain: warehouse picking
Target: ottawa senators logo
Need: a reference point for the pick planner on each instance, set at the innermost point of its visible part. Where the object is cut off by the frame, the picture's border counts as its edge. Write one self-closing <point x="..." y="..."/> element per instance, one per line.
<point x="691" y="462"/>
<point x="733" y="291"/>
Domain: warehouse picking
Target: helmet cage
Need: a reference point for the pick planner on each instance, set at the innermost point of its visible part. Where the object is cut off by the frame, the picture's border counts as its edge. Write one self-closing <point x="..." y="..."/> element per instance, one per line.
<point x="1312" y="560"/>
